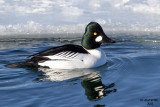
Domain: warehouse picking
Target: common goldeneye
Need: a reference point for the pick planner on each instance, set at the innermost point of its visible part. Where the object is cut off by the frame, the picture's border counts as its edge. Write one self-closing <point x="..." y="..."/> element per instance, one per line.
<point x="70" y="56"/>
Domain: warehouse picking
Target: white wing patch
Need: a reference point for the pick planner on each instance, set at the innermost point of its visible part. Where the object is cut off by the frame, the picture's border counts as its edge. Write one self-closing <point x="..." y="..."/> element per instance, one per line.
<point x="63" y="55"/>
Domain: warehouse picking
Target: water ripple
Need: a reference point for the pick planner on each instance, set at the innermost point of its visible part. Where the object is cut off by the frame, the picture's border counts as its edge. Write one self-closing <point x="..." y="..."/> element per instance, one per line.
<point x="131" y="73"/>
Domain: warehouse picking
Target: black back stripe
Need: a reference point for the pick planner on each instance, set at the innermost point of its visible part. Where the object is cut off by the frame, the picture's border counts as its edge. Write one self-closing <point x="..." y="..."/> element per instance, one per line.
<point x="63" y="53"/>
<point x="59" y="54"/>
<point x="70" y="51"/>
<point x="67" y="54"/>
<point x="75" y="55"/>
<point x="64" y="48"/>
<point x="72" y="55"/>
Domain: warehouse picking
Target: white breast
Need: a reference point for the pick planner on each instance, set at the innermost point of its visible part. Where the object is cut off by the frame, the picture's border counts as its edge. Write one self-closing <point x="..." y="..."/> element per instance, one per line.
<point x="95" y="58"/>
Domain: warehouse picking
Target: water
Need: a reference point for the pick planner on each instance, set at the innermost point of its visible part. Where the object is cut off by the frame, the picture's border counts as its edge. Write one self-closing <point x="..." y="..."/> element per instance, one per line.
<point x="129" y="79"/>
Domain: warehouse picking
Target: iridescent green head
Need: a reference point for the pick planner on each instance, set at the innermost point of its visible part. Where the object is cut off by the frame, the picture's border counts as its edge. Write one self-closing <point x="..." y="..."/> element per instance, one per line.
<point x="94" y="36"/>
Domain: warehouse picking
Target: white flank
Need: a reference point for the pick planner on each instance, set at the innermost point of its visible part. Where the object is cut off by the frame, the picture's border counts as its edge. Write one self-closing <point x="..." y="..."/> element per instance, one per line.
<point x="96" y="58"/>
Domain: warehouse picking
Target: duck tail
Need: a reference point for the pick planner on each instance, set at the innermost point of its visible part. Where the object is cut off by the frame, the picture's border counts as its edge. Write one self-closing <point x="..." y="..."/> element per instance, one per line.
<point x="17" y="65"/>
<point x="31" y="63"/>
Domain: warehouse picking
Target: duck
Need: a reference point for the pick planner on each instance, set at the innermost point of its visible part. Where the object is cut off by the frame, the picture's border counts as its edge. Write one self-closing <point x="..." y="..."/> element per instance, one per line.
<point x="71" y="56"/>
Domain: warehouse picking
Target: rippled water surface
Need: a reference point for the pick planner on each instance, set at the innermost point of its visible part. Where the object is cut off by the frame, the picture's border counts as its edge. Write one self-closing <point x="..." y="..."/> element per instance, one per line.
<point x="129" y="79"/>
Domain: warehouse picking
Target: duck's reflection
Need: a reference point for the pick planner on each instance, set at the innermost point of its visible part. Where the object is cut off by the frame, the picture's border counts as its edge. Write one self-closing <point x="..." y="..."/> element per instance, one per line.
<point x="94" y="88"/>
<point x="62" y="75"/>
<point x="91" y="81"/>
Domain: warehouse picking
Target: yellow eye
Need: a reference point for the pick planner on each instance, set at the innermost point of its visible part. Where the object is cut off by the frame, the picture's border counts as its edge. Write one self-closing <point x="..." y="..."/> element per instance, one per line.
<point x="95" y="33"/>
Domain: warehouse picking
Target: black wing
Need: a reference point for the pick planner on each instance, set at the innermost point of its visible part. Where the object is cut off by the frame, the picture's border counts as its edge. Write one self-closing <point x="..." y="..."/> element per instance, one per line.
<point x="56" y="50"/>
<point x="39" y="57"/>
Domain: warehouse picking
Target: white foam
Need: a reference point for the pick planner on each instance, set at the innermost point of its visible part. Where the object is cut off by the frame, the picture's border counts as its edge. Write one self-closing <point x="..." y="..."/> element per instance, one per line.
<point x="38" y="17"/>
<point x="32" y="28"/>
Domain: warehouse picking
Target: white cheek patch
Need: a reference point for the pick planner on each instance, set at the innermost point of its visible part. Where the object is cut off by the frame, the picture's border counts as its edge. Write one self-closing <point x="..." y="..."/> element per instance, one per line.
<point x="98" y="39"/>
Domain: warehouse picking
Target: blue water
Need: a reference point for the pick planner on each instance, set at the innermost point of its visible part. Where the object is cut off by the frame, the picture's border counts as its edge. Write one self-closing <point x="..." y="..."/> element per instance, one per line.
<point x="129" y="79"/>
